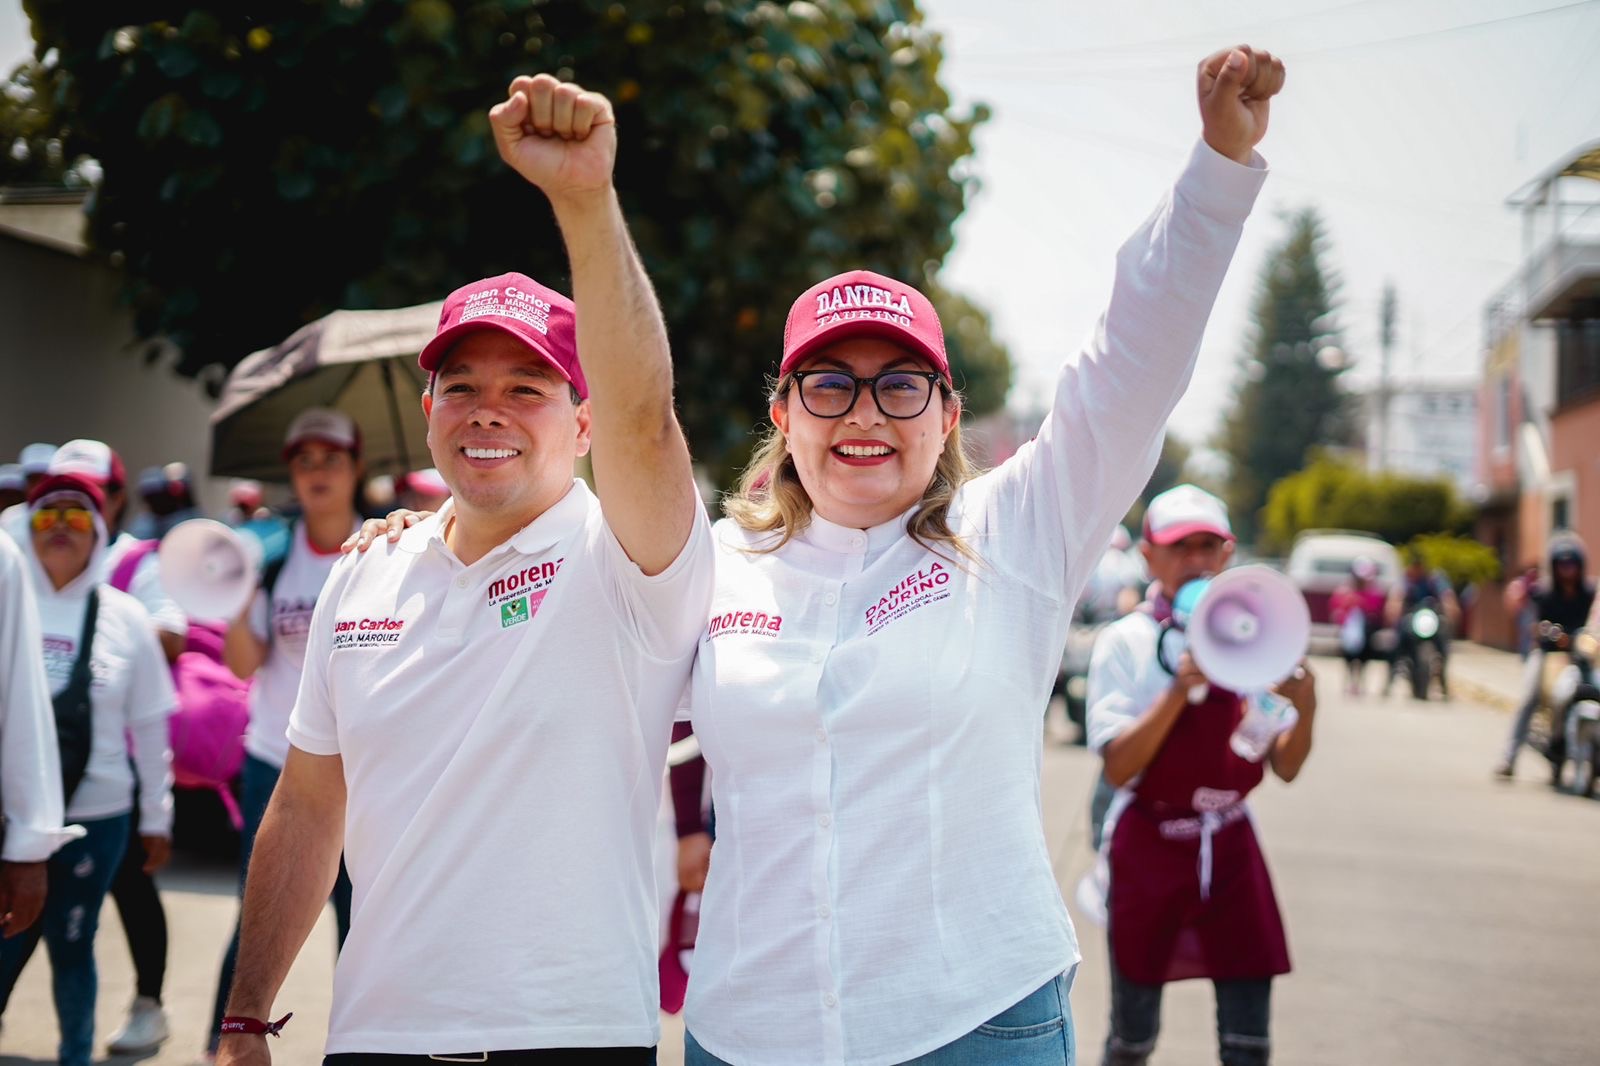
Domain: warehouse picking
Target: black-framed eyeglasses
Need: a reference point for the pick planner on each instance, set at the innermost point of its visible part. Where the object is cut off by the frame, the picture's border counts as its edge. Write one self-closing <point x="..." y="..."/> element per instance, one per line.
<point x="898" y="393"/>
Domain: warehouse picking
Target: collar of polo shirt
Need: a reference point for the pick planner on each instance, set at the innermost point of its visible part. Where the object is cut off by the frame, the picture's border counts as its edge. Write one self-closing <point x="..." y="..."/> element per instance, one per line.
<point x="536" y="536"/>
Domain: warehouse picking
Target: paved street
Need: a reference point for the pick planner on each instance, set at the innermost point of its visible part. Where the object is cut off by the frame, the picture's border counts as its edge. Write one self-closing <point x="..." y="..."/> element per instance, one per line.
<point x="1435" y="915"/>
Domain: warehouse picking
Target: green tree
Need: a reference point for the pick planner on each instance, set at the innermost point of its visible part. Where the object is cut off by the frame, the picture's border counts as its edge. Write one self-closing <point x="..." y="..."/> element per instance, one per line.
<point x="1287" y="400"/>
<point x="263" y="166"/>
<point x="1331" y="494"/>
<point x="30" y="145"/>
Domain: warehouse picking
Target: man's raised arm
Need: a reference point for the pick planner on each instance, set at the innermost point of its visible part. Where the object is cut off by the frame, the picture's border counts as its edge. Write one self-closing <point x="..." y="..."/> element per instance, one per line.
<point x="563" y="140"/>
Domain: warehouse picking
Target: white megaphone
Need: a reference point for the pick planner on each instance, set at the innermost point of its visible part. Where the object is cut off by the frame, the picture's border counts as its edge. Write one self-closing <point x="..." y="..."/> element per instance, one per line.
<point x="1249" y="629"/>
<point x="210" y="570"/>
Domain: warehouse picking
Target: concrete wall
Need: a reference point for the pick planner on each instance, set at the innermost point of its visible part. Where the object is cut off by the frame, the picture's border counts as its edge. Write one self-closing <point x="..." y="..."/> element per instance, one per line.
<point x="69" y="371"/>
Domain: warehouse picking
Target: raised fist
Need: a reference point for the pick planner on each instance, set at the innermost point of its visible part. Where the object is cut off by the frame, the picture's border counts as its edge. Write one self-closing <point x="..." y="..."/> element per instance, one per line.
<point x="1235" y="86"/>
<point x="556" y="135"/>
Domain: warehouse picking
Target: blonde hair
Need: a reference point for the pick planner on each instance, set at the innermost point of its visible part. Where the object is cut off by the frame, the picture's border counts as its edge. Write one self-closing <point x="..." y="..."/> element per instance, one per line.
<point x="771" y="499"/>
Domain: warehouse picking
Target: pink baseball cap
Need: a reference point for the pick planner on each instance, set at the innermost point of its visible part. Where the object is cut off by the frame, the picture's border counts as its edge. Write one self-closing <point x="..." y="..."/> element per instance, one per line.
<point x="539" y="317"/>
<point x="1183" y="511"/>
<point x="75" y="482"/>
<point x="92" y="459"/>
<point x="860" y="303"/>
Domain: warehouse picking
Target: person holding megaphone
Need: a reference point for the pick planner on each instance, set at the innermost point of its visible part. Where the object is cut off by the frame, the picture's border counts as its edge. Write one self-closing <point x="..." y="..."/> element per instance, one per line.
<point x="1191" y="698"/>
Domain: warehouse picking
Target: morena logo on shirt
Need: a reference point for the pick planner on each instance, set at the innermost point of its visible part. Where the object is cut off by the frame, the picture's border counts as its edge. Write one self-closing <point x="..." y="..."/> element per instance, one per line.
<point x="756" y="623"/>
<point x="918" y="589"/>
<point x="524" y="580"/>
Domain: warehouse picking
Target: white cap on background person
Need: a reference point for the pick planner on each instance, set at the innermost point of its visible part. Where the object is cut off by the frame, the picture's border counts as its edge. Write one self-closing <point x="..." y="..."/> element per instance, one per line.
<point x="1182" y="511"/>
<point x="35" y="458"/>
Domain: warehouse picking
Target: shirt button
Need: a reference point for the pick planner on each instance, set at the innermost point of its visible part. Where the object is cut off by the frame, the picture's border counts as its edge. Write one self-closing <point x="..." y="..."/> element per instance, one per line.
<point x="830" y="1000"/>
<point x="824" y="820"/>
<point x="824" y="912"/>
<point x="822" y="736"/>
<point x="818" y="655"/>
<point x="461" y="582"/>
<point x="857" y="541"/>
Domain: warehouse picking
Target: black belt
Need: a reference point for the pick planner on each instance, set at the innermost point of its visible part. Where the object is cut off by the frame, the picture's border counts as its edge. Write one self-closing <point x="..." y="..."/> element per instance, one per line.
<point x="614" y="1056"/>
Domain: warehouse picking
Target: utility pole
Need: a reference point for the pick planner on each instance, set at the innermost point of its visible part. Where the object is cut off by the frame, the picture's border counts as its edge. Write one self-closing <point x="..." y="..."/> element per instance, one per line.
<point x="1387" y="310"/>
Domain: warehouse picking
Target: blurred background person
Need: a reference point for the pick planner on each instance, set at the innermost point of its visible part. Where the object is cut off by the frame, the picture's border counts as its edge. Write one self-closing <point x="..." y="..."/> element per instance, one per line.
<point x="35" y="460"/>
<point x="421" y="490"/>
<point x="1565" y="602"/>
<point x="268" y="641"/>
<point x="246" y="502"/>
<point x="168" y="495"/>
<point x="1357" y="608"/>
<point x="13" y="485"/>
<point x="1420" y="587"/>
<point x="111" y="686"/>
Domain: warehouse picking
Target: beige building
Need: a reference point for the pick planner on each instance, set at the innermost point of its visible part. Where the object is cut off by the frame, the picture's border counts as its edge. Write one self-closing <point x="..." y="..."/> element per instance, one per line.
<point x="67" y="349"/>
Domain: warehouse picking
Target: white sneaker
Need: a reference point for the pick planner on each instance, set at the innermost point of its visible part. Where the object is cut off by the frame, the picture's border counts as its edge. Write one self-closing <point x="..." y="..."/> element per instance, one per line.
<point x="144" y="1030"/>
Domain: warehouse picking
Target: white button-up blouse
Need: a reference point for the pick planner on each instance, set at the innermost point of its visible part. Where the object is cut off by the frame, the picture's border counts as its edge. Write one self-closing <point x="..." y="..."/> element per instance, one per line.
<point x="870" y="710"/>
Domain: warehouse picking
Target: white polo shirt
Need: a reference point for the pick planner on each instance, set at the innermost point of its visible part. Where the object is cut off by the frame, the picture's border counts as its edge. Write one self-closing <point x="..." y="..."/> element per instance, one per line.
<point x="503" y="728"/>
<point x="870" y="712"/>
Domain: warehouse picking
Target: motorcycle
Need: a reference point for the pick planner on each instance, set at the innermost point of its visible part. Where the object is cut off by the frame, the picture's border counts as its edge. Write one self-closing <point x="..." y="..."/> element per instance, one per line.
<point x="1566" y="725"/>
<point x="1421" y="654"/>
<point x="1072" y="680"/>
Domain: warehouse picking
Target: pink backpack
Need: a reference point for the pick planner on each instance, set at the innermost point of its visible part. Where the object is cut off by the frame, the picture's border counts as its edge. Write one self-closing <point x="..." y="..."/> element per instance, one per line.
<point x="207" y="730"/>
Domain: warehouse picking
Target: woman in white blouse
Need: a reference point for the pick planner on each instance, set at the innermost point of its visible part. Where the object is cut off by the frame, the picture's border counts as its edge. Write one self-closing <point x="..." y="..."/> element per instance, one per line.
<point x="108" y="675"/>
<point x="884" y="632"/>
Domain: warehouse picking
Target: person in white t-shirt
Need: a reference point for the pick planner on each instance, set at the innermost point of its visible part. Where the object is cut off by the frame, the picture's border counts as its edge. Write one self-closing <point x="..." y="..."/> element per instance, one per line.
<point x="322" y="449"/>
<point x="884" y="633"/>
<point x="484" y="714"/>
<point x="30" y="765"/>
<point x="110" y="684"/>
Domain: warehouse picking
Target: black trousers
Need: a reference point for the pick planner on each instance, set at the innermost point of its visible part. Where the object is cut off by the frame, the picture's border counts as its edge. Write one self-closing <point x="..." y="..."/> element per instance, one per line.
<point x="585" y="1056"/>
<point x="143" y="919"/>
<point x="1243" y="1018"/>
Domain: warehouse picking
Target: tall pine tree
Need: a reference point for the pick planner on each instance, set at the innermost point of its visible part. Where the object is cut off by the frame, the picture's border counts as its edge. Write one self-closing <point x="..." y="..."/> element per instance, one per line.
<point x="1287" y="400"/>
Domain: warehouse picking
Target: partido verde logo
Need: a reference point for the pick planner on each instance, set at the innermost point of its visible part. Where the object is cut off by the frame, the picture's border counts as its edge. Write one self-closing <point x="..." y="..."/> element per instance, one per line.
<point x="514" y="612"/>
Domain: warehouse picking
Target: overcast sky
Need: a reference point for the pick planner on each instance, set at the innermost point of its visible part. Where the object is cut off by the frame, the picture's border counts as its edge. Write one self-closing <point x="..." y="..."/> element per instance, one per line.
<point x="1406" y="122"/>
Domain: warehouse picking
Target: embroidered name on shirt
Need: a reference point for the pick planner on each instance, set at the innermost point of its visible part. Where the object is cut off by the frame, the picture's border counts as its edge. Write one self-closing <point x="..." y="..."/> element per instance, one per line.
<point x="913" y="591"/>
<point x="367" y="632"/>
<point x="755" y="623"/>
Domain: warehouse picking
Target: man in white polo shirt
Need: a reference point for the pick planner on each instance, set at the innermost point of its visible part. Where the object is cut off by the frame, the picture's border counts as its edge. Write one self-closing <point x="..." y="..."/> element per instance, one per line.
<point x="486" y="703"/>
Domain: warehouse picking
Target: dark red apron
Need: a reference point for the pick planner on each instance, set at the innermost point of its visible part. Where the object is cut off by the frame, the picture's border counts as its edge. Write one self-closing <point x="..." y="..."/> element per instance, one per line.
<point x="1190" y="895"/>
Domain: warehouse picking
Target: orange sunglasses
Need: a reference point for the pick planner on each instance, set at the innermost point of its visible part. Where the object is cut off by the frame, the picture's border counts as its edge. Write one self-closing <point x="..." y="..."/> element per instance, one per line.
<point x="78" y="519"/>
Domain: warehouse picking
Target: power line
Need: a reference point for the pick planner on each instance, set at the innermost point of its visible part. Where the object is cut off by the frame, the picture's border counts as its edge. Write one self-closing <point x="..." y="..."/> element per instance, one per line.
<point x="1163" y="42"/>
<point x="1010" y="67"/>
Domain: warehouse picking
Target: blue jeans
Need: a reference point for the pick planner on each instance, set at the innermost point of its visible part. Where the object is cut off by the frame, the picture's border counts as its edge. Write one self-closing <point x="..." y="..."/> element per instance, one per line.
<point x="80" y="876"/>
<point x="257" y="779"/>
<point x="1034" y="1031"/>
